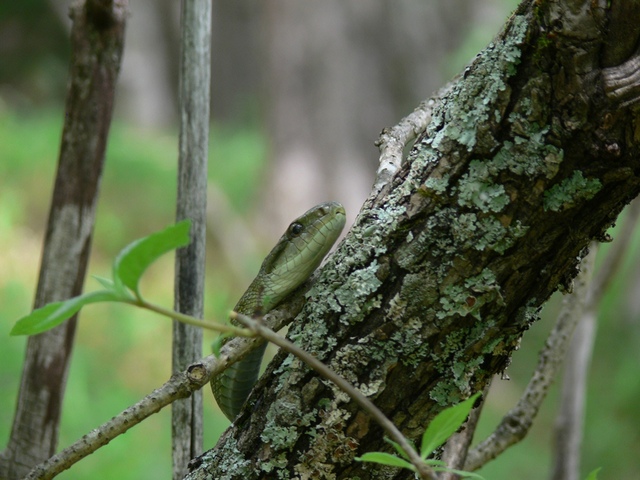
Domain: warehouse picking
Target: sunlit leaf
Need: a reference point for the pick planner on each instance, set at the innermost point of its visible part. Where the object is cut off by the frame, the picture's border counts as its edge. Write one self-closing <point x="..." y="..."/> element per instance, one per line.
<point x="398" y="448"/>
<point x="53" y="314"/>
<point x="136" y="257"/>
<point x="445" y="424"/>
<point x="385" y="459"/>
<point x="105" y="282"/>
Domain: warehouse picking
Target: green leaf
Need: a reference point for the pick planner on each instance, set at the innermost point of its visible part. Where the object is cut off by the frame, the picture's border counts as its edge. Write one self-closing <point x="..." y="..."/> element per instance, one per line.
<point x="107" y="283"/>
<point x="445" y="424"/>
<point x="385" y="459"/>
<point x="398" y="448"/>
<point x="594" y="474"/>
<point x="55" y="313"/>
<point x="136" y="257"/>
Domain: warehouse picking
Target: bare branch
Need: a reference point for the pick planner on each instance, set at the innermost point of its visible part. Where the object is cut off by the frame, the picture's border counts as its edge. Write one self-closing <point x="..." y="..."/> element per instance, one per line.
<point x="393" y="141"/>
<point x="570" y="417"/>
<point x="97" y="40"/>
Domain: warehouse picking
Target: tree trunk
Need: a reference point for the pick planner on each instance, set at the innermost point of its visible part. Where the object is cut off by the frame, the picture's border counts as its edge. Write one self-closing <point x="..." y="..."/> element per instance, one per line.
<point x="97" y="39"/>
<point x="524" y="161"/>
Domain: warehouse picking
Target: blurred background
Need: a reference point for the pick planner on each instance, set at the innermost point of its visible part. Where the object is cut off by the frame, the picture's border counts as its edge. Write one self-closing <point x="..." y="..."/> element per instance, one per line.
<point x="300" y="92"/>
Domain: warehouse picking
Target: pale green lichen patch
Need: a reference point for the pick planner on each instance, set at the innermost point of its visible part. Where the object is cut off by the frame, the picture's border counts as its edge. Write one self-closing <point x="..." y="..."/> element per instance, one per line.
<point x="570" y="191"/>
<point x="528" y="156"/>
<point x="481" y="194"/>
<point x="463" y="372"/>
<point x="487" y="233"/>
<point x="352" y="283"/>
<point x="466" y="299"/>
<point x="446" y="393"/>
<point x="229" y="461"/>
<point x="437" y="185"/>
<point x="281" y="432"/>
<point x="279" y="438"/>
<point x="479" y="101"/>
<point x="364" y="283"/>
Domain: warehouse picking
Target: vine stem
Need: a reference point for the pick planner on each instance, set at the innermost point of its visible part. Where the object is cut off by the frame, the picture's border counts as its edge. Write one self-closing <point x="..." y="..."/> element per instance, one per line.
<point x="189" y="320"/>
<point x="258" y="328"/>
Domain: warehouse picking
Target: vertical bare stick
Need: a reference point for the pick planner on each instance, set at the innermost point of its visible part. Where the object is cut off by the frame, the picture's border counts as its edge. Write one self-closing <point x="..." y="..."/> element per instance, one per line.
<point x="97" y="39"/>
<point x="570" y="418"/>
<point x="195" y="72"/>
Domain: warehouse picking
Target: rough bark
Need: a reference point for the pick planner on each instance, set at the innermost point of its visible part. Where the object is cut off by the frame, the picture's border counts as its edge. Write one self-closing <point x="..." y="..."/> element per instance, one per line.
<point x="525" y="160"/>
<point x="97" y="39"/>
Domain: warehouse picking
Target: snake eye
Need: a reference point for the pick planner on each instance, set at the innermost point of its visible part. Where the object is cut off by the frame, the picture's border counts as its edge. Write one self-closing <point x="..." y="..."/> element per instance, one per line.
<point x="295" y="229"/>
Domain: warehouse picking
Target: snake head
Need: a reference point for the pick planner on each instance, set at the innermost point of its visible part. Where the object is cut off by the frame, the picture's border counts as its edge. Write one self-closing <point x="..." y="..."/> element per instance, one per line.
<point x="299" y="252"/>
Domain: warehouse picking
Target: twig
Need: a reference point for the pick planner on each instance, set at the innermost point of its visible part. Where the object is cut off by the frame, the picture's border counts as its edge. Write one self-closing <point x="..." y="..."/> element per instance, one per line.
<point x="393" y="140"/>
<point x="570" y="417"/>
<point x="189" y="320"/>
<point x="423" y="470"/>
<point x="180" y="385"/>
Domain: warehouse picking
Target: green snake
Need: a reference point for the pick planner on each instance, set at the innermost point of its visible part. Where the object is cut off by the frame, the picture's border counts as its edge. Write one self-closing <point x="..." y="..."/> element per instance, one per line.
<point x="294" y="258"/>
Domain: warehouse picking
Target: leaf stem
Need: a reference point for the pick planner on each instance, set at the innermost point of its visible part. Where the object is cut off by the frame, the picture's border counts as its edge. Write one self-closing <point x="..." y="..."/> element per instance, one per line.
<point x="188" y="319"/>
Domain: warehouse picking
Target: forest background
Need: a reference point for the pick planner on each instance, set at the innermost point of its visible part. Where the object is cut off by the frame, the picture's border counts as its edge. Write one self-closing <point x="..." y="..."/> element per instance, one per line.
<point x="300" y="92"/>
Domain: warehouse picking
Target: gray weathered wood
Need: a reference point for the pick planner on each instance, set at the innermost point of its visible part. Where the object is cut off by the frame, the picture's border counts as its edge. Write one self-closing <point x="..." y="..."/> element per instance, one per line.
<point x="195" y="75"/>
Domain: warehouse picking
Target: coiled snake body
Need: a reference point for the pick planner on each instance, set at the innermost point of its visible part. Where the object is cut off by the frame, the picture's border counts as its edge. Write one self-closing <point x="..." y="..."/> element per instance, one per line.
<point x="294" y="258"/>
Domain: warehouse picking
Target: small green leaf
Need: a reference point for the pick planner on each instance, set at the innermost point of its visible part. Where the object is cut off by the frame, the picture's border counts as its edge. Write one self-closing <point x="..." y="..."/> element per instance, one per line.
<point x="385" y="459"/>
<point x="594" y="474"/>
<point x="136" y="257"/>
<point x="445" y="424"/>
<point x="55" y="313"/>
<point x="398" y="448"/>
<point x="107" y="283"/>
